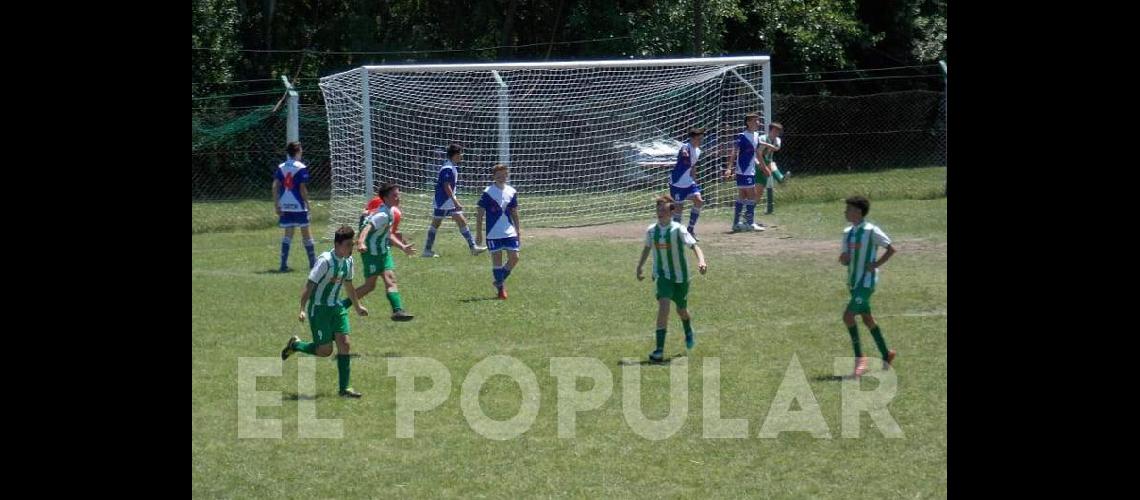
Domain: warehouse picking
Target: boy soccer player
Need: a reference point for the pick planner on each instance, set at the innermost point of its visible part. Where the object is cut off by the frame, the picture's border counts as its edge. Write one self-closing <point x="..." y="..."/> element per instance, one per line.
<point x="328" y="318"/>
<point x="375" y="247"/>
<point x="742" y="164"/>
<point x="446" y="203"/>
<point x="861" y="243"/>
<point x="500" y="203"/>
<point x="770" y="143"/>
<point x="682" y="185"/>
<point x="291" y="202"/>
<point x="665" y="240"/>
<point x="370" y="209"/>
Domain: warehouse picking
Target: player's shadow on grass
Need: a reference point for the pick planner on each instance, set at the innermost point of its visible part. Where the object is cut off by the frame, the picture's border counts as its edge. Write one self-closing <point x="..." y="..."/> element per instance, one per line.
<point x="298" y="397"/>
<point x="388" y="354"/>
<point x="275" y="271"/>
<point x="646" y="362"/>
<point x="477" y="299"/>
<point x="831" y="378"/>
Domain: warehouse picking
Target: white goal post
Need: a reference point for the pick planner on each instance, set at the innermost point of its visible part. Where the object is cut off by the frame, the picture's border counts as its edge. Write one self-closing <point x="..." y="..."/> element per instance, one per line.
<point x="586" y="141"/>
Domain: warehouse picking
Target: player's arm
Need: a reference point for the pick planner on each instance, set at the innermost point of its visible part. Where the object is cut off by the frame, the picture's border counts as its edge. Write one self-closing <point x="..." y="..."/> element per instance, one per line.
<point x="479" y="225"/>
<point x="304" y="194"/>
<point x="844" y="254"/>
<point x="515" y="220"/>
<point x="773" y="147"/>
<point x="641" y="262"/>
<point x="360" y="309"/>
<point x="884" y="258"/>
<point x="305" y="293"/>
<point x="702" y="266"/>
<point x="882" y="240"/>
<point x="451" y="194"/>
<point x="732" y="153"/>
<point x="276" y="186"/>
<point x="689" y="159"/>
<point x="360" y="246"/>
<point x="408" y="249"/>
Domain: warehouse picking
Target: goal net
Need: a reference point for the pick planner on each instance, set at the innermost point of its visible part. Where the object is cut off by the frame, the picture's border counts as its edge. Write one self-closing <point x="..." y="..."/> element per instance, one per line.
<point x="586" y="142"/>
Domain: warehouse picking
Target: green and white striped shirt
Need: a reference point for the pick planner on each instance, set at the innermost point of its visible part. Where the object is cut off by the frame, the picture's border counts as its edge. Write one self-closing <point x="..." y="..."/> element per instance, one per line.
<point x="329" y="274"/>
<point x="377" y="242"/>
<point x="768" y="153"/>
<point x="862" y="241"/>
<point x="668" y="248"/>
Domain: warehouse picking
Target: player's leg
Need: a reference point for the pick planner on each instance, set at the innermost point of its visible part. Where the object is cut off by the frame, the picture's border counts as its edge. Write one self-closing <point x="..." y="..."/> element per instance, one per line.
<point x="497" y="267"/>
<point x="461" y="221"/>
<point x="512" y="261"/>
<point x="880" y="342"/>
<point x="695" y="212"/>
<point x="738" y="206"/>
<point x="780" y="176"/>
<point x="855" y="306"/>
<point x="678" y="195"/>
<point x="310" y="245"/>
<point x="321" y="325"/>
<point x="286" y="241"/>
<point x="344" y="364"/>
<point x="664" y="294"/>
<point x="436" y="220"/>
<point x="681" y="298"/>
<point x="367" y="288"/>
<point x="393" y="293"/>
<point x="750" y="210"/>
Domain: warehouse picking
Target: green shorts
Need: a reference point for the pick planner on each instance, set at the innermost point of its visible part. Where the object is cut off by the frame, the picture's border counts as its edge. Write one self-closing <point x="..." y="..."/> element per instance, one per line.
<point x="327" y="321"/>
<point x="377" y="264"/>
<point x="678" y="292"/>
<point x="860" y="300"/>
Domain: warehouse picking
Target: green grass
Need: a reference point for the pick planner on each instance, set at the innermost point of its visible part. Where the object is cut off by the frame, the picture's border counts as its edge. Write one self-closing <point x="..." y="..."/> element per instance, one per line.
<point x="575" y="295"/>
<point x="909" y="184"/>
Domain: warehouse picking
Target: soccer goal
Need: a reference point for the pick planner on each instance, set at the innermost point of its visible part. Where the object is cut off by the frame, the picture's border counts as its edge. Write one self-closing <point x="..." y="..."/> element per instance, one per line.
<point x="587" y="142"/>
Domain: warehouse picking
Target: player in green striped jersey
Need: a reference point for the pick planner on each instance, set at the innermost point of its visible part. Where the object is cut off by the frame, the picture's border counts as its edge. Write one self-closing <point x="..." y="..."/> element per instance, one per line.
<point x="328" y="317"/>
<point x="860" y="250"/>
<point x="666" y="240"/>
<point x="375" y="247"/>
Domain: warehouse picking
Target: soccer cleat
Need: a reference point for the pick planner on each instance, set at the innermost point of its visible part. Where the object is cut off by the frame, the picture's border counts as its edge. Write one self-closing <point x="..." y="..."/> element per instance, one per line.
<point x="350" y="393"/>
<point x="860" y="367"/>
<point x="502" y="292"/>
<point x="657" y="356"/>
<point x="285" y="269"/>
<point x="400" y="315"/>
<point x="429" y="253"/>
<point x="476" y="250"/>
<point x="736" y="228"/>
<point x="289" y="349"/>
<point x="757" y="227"/>
<point x="890" y="359"/>
<point x="690" y="341"/>
<point x="787" y="175"/>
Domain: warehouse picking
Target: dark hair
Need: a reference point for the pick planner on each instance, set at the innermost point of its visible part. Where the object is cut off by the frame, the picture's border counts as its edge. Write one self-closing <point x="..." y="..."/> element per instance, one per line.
<point x="695" y="131"/>
<point x="344" y="233"/>
<point x="454" y="149"/>
<point x="293" y="148"/>
<point x="385" y="189"/>
<point x="863" y="204"/>
<point x="750" y="116"/>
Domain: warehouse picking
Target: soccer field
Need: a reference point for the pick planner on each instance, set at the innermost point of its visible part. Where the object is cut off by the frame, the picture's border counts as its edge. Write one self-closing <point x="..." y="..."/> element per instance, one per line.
<point x="770" y="302"/>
